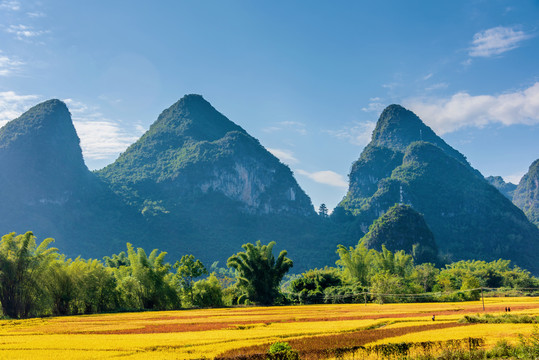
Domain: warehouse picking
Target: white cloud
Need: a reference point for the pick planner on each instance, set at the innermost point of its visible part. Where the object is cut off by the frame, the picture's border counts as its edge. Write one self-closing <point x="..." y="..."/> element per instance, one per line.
<point x="290" y="126"/>
<point x="327" y="177"/>
<point x="100" y="137"/>
<point x="513" y="178"/>
<point x="12" y="105"/>
<point x="286" y="156"/>
<point x="37" y="14"/>
<point x="25" y="32"/>
<point x="496" y="41"/>
<point x="437" y="86"/>
<point x="357" y="134"/>
<point x="10" y="5"/>
<point x="374" y="105"/>
<point x="464" y="110"/>
<point x="8" y="66"/>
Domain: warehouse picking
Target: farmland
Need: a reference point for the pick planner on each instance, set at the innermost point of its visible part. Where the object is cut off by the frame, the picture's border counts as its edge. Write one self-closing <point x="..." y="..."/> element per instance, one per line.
<point x="228" y="332"/>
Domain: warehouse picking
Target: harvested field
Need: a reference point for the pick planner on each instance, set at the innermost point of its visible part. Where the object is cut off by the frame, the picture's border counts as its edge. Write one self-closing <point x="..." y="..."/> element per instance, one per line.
<point x="229" y="332"/>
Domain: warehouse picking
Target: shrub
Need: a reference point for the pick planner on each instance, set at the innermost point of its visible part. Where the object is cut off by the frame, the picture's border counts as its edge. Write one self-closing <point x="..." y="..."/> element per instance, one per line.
<point x="282" y="351"/>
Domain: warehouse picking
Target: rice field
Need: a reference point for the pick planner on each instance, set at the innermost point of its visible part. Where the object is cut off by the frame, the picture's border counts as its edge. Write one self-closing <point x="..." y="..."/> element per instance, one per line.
<point x="229" y="332"/>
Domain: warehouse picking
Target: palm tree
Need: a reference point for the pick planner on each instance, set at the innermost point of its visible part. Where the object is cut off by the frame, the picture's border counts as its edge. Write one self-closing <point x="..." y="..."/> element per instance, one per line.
<point x="259" y="274"/>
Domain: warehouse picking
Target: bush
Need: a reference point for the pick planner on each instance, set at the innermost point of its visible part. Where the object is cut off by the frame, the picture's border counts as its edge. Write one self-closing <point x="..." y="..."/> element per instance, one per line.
<point x="282" y="351"/>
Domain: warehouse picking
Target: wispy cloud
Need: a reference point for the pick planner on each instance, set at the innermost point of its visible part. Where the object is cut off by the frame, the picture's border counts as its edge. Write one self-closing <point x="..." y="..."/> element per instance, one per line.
<point x="327" y="177"/>
<point x="36" y="14"/>
<point x="290" y="126"/>
<point x="464" y="110"/>
<point x="13" y="104"/>
<point x="101" y="138"/>
<point x="437" y="86"/>
<point x="10" y="5"/>
<point x="25" y="32"/>
<point x="357" y="134"/>
<point x="375" y="105"/>
<point x="496" y="41"/>
<point x="9" y="66"/>
<point x="286" y="156"/>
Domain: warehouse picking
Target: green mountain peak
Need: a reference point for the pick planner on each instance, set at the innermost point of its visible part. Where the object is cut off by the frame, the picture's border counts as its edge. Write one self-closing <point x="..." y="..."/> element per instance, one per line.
<point x="403" y="228"/>
<point x="398" y="127"/>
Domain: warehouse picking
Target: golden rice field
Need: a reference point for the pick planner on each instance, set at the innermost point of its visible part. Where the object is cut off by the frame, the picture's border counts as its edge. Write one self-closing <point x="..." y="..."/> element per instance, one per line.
<point x="192" y="334"/>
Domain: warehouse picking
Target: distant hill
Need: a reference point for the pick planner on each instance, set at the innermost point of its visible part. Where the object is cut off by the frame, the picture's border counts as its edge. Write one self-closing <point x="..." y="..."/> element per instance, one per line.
<point x="407" y="163"/>
<point x="507" y="189"/>
<point x="403" y="228"/>
<point x="526" y="195"/>
<point x="45" y="186"/>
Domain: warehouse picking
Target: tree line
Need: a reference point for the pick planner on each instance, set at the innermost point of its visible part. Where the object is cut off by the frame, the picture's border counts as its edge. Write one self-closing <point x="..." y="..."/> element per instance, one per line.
<point x="37" y="280"/>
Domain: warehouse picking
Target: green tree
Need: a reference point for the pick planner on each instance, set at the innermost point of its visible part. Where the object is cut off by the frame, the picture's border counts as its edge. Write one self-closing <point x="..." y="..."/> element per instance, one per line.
<point x="151" y="278"/>
<point x="355" y="261"/>
<point x="425" y="275"/>
<point x="187" y="270"/>
<point x="24" y="267"/>
<point x="323" y="211"/>
<point x="259" y="273"/>
<point x="208" y="292"/>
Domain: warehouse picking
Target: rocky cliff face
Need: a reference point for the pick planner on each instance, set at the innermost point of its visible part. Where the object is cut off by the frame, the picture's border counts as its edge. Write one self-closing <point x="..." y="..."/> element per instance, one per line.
<point x="470" y="219"/>
<point x="526" y="195"/>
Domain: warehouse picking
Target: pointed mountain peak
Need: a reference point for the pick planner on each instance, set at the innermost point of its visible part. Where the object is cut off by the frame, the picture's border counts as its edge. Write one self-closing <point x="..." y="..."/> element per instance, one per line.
<point x="43" y="133"/>
<point x="398" y="127"/>
<point x="51" y="115"/>
<point x="192" y="117"/>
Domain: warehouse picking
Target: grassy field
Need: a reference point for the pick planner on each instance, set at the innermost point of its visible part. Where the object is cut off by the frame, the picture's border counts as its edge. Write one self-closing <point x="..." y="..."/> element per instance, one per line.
<point x="192" y="334"/>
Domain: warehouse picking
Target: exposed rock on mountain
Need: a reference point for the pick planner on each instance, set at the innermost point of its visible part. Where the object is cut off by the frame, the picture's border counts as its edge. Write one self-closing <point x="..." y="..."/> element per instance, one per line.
<point x="506" y="189"/>
<point x="403" y="228"/>
<point x="526" y="195"/>
<point x="407" y="163"/>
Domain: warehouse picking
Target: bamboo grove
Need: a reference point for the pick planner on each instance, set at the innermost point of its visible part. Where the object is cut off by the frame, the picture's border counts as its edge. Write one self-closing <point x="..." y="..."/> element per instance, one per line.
<point x="37" y="280"/>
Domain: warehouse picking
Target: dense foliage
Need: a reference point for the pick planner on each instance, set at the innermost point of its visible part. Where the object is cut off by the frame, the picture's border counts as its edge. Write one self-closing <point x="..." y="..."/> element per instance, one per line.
<point x="403" y="228"/>
<point x="36" y="280"/>
<point x="369" y="275"/>
<point x="406" y="162"/>
<point x="259" y="273"/>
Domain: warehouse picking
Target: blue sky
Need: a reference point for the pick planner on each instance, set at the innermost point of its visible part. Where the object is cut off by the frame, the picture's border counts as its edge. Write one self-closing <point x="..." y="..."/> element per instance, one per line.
<point x="307" y="78"/>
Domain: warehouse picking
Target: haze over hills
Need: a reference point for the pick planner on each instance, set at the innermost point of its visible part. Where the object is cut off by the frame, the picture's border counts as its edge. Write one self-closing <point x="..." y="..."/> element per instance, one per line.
<point x="407" y="163"/>
<point x="197" y="183"/>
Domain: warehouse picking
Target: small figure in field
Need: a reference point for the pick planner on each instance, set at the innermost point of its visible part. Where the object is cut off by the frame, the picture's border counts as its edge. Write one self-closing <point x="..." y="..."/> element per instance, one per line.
<point x="506" y="309"/>
<point x="433" y="317"/>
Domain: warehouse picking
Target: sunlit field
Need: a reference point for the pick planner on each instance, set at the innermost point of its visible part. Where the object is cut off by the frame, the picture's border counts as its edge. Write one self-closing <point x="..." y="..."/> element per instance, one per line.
<point x="191" y="334"/>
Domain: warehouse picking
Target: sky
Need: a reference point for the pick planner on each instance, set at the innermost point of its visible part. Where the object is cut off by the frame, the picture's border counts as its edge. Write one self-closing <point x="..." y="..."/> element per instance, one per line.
<point x="308" y="78"/>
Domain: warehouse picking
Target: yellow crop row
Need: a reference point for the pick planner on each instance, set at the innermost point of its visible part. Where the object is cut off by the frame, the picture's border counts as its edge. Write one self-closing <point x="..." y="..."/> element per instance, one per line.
<point x="190" y="334"/>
